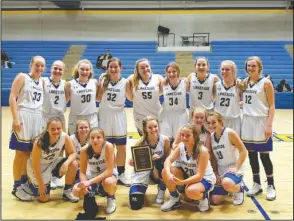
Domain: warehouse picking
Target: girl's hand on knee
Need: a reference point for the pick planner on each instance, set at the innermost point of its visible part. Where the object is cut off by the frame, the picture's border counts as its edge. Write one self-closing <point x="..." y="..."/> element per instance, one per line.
<point x="177" y="181"/>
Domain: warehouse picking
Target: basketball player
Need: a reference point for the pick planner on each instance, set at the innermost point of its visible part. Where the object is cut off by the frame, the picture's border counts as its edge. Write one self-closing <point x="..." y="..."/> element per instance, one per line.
<point x="25" y="101"/>
<point x="145" y="87"/>
<point x="230" y="154"/>
<point x="97" y="166"/>
<point x="198" y="120"/>
<point x="54" y="102"/>
<point x="200" y="85"/>
<point x="113" y="90"/>
<point x="227" y="96"/>
<point x="258" y="115"/>
<point x="82" y="91"/>
<point x="194" y="173"/>
<point x="45" y="161"/>
<point x="160" y="149"/>
<point x="174" y="113"/>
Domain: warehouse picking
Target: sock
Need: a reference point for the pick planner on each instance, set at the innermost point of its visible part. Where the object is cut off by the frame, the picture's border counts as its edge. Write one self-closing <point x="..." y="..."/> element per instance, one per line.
<point x="67" y="186"/>
<point x="162" y="186"/>
<point x="121" y="169"/>
<point x="256" y="178"/>
<point x="16" y="184"/>
<point x="110" y="196"/>
<point x="174" y="194"/>
<point x="270" y="180"/>
<point x="24" y="178"/>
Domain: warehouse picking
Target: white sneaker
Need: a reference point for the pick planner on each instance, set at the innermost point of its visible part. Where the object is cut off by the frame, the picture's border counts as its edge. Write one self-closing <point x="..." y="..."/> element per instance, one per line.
<point x="160" y="196"/>
<point x="67" y="195"/>
<point x="58" y="182"/>
<point x="123" y="179"/>
<point x="111" y="205"/>
<point x="53" y="185"/>
<point x="204" y="204"/>
<point x="255" y="190"/>
<point x="27" y="189"/>
<point x="271" y="193"/>
<point x="239" y="197"/>
<point x="23" y="196"/>
<point x="171" y="204"/>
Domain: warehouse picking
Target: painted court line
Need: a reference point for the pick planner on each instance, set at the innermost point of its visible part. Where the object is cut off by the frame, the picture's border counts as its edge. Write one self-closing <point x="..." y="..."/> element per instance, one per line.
<point x="257" y="204"/>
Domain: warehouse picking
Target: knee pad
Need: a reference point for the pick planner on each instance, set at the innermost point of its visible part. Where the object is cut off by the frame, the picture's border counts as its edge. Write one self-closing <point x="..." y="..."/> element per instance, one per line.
<point x="136" y="201"/>
<point x="136" y="196"/>
<point x="267" y="163"/>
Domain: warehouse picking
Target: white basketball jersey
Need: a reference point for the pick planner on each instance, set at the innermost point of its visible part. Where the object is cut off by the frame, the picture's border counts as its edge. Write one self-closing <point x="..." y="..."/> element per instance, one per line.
<point x="114" y="96"/>
<point x="225" y="153"/>
<point x="97" y="164"/>
<point x="174" y="99"/>
<point x="146" y="97"/>
<point x="54" y="97"/>
<point x="77" y="144"/>
<point x="189" y="165"/>
<point x="143" y="176"/>
<point x="201" y="91"/>
<point x="203" y="138"/>
<point x="227" y="102"/>
<point x="54" y="151"/>
<point x="31" y="95"/>
<point x="83" y="97"/>
<point x="255" y="100"/>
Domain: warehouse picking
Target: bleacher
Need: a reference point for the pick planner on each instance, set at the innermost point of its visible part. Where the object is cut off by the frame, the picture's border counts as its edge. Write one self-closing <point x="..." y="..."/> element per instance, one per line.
<point x="276" y="60"/>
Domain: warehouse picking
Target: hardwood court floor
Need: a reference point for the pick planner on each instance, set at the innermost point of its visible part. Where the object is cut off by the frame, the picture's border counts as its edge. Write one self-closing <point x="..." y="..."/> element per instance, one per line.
<point x="282" y="208"/>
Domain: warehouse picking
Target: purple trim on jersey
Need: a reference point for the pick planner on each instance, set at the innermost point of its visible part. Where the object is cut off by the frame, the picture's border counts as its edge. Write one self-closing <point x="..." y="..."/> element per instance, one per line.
<point x="266" y="145"/>
<point x="17" y="144"/>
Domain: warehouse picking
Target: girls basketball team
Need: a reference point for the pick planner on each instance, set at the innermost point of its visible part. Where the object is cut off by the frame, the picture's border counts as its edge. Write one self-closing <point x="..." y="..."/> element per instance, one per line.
<point x="198" y="154"/>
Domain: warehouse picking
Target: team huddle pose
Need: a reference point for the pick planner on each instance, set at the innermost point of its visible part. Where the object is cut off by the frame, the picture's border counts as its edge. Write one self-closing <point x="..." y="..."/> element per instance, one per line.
<point x="199" y="154"/>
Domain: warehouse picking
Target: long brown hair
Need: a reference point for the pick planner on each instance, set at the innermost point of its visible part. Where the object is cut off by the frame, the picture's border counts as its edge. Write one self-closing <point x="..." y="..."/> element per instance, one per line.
<point x="197" y="146"/>
<point x="43" y="140"/>
<point x="106" y="77"/>
<point x="144" y="137"/>
<point x="90" y="151"/>
<point x="260" y="66"/>
<point x="175" y="66"/>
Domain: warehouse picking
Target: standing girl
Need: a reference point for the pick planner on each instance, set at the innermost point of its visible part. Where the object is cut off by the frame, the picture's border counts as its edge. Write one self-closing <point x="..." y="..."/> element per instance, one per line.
<point x="113" y="90"/>
<point x="145" y="87"/>
<point x="82" y="91"/>
<point x="25" y="101"/>
<point x="201" y="85"/>
<point x="228" y="93"/>
<point x="174" y="113"/>
<point x="257" y="122"/>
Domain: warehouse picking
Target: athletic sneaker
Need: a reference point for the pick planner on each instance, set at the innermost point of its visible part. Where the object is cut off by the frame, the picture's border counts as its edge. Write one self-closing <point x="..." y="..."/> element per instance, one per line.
<point x="111" y="205"/>
<point x="67" y="195"/>
<point x="239" y="197"/>
<point x="271" y="193"/>
<point x="123" y="180"/>
<point x="172" y="204"/>
<point x="160" y="196"/>
<point x="255" y="190"/>
<point x="23" y="196"/>
<point x="204" y="204"/>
